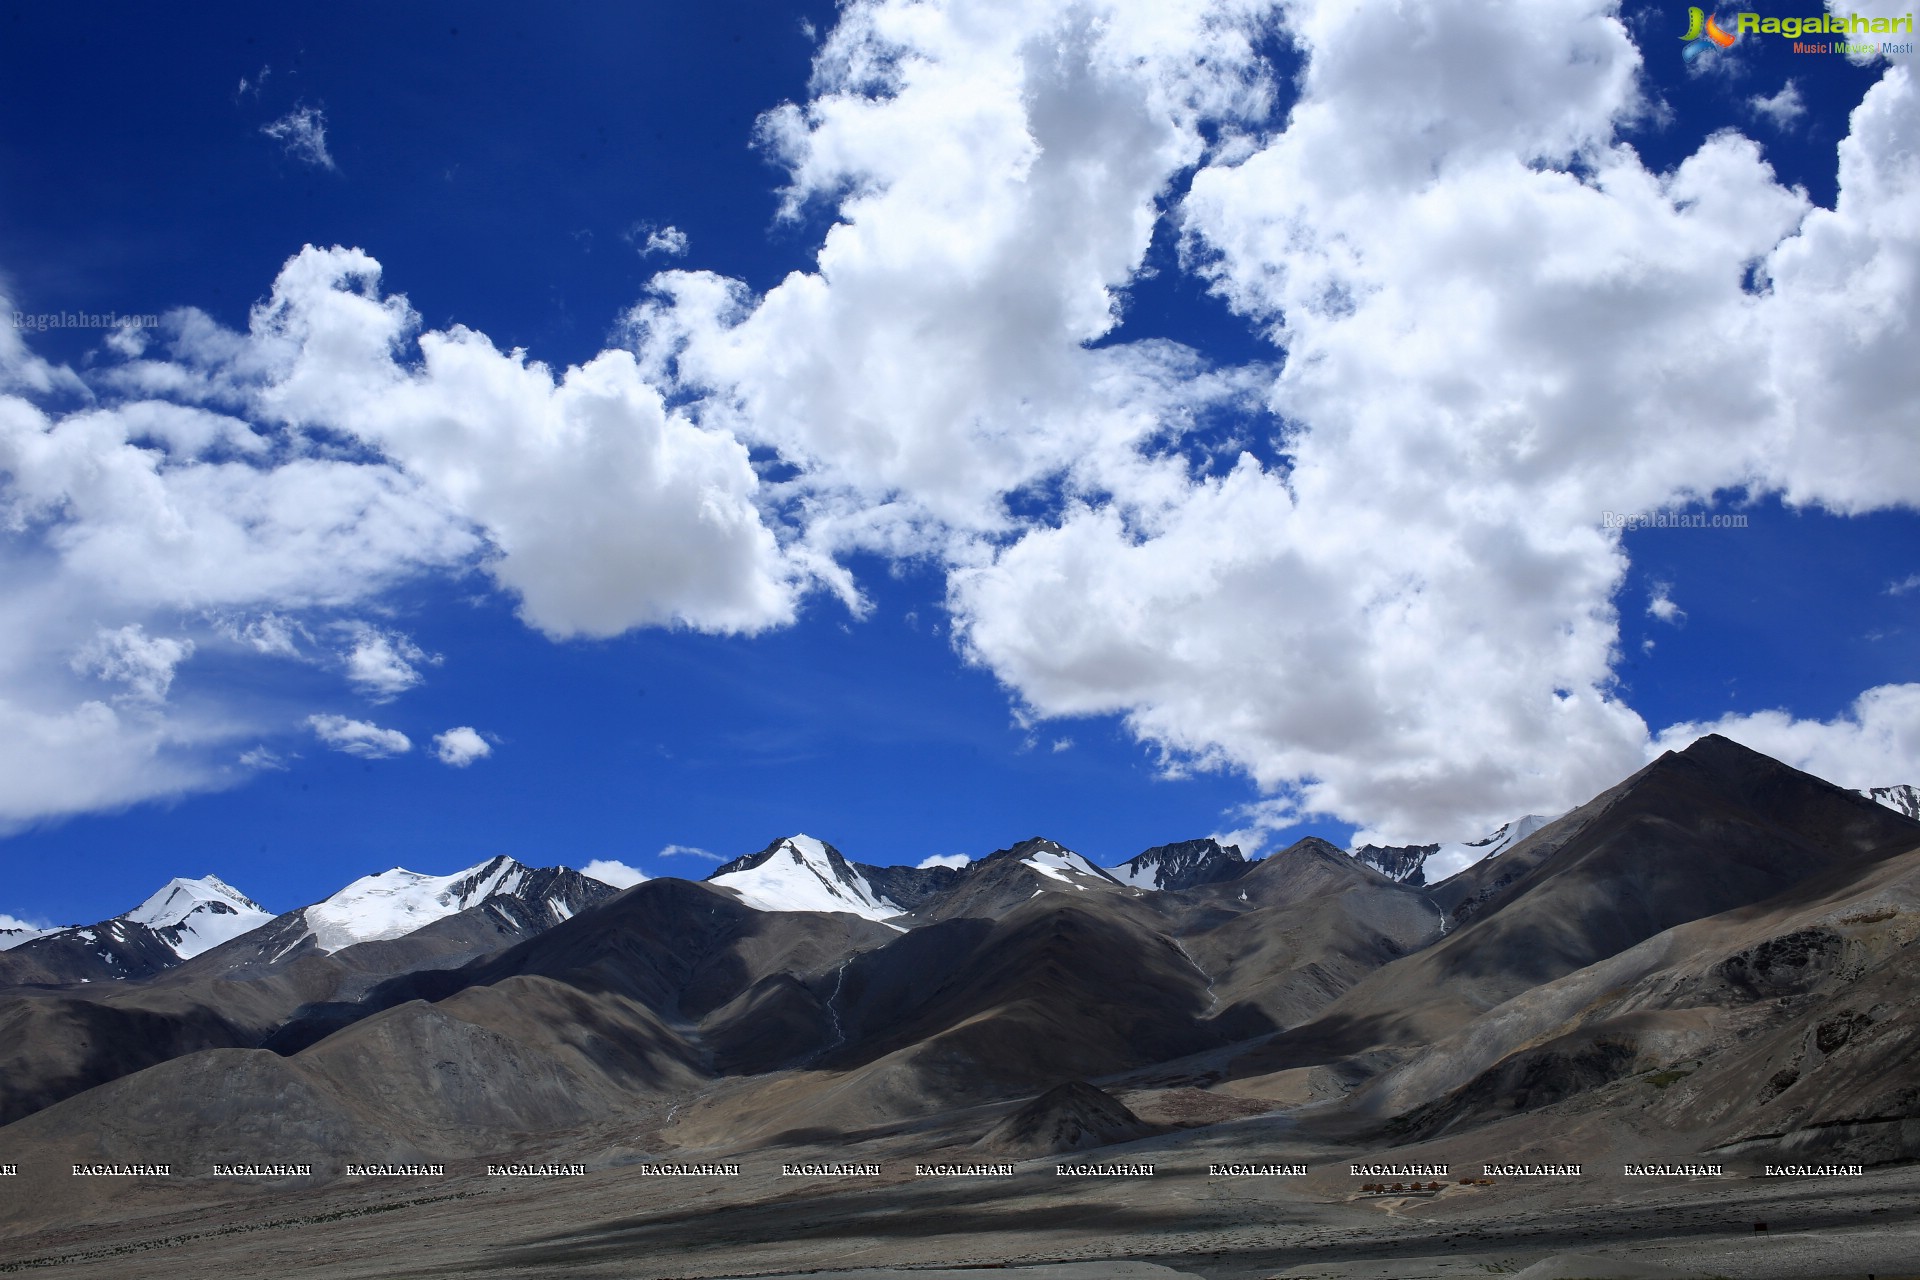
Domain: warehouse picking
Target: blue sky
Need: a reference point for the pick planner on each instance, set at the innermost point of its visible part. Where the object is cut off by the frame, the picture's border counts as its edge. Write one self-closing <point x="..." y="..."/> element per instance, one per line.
<point x="927" y="426"/>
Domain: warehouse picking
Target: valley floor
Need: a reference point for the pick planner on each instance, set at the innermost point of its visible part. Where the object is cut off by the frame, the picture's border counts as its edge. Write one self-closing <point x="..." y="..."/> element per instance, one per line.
<point x="617" y="1224"/>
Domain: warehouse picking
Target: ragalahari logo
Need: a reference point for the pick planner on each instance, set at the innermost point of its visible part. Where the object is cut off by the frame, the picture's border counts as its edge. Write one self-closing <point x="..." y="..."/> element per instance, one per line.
<point x="1705" y="34"/>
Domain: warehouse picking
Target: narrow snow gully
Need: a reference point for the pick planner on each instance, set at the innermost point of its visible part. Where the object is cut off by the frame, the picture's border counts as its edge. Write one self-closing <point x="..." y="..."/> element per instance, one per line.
<point x="1213" y="998"/>
<point x="833" y="1014"/>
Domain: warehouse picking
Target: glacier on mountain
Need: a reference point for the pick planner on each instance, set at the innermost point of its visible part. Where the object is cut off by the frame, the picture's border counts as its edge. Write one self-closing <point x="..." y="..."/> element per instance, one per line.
<point x="394" y="903"/>
<point x="1453" y="857"/>
<point x="192" y="916"/>
<point x="800" y="873"/>
<point x="1432" y="863"/>
<point x="12" y="935"/>
<point x="1063" y="865"/>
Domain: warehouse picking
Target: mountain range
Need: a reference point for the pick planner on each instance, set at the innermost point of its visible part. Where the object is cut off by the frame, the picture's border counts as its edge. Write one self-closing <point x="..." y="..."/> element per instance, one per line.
<point x="1711" y="956"/>
<point x="795" y="873"/>
<point x="187" y="918"/>
<point x="181" y="920"/>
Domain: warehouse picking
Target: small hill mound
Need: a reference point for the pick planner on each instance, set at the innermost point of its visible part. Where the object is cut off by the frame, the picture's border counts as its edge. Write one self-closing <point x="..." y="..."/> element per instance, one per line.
<point x="1073" y="1116"/>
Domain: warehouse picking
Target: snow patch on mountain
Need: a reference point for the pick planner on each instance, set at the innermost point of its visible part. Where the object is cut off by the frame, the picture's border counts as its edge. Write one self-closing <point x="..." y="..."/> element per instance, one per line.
<point x="397" y="902"/>
<point x="801" y="873"/>
<point x="1432" y="863"/>
<point x="1181" y="865"/>
<point x="1904" y="798"/>
<point x="192" y="916"/>
<point x="1453" y="858"/>
<point x="14" y="932"/>
<point x="1059" y="863"/>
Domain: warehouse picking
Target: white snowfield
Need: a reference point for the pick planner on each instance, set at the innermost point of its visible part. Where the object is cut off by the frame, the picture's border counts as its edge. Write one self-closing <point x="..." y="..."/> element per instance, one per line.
<point x="1064" y="866"/>
<point x="799" y="876"/>
<point x="12" y="937"/>
<point x="1453" y="858"/>
<point x="395" y="903"/>
<point x="207" y="912"/>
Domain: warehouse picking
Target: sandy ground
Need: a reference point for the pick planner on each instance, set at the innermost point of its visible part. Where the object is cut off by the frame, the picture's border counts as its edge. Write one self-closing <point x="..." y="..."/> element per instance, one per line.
<point x="616" y="1224"/>
<point x="1045" y="1271"/>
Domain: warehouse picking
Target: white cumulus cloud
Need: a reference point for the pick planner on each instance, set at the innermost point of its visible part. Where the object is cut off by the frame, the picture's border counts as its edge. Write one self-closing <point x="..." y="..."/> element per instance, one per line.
<point x="359" y="737"/>
<point x="460" y="747"/>
<point x="669" y="241"/>
<point x="1660" y="604"/>
<point x="610" y="871"/>
<point x="270" y="633"/>
<point x="207" y="483"/>
<point x="381" y="664"/>
<point x="944" y="860"/>
<point x="1874" y="743"/>
<point x="1783" y="108"/>
<point x="128" y="655"/>
<point x="1489" y="308"/>
<point x="997" y="183"/>
<point x="604" y="509"/>
<point x="89" y="757"/>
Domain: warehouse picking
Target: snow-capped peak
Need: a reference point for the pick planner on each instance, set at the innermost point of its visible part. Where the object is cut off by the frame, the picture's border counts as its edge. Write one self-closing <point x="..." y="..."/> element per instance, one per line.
<point x="180" y="898"/>
<point x="800" y="873"/>
<point x="1181" y="865"/>
<point x="192" y="916"/>
<point x="395" y="903"/>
